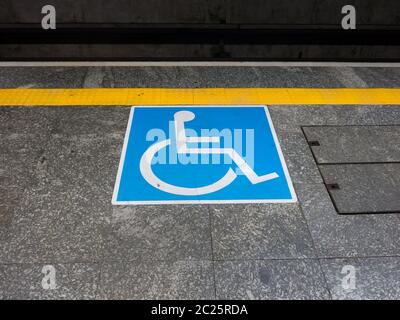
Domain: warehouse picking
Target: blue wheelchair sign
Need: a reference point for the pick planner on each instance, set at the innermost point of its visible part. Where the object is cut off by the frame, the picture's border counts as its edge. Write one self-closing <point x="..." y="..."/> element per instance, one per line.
<point x="202" y="154"/>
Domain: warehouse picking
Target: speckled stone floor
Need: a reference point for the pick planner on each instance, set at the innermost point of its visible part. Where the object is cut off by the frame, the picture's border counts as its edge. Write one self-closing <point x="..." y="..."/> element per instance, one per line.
<point x="57" y="173"/>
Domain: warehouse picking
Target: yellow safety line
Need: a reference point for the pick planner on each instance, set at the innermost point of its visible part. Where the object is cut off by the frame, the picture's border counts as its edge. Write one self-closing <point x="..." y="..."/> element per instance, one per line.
<point x="209" y="96"/>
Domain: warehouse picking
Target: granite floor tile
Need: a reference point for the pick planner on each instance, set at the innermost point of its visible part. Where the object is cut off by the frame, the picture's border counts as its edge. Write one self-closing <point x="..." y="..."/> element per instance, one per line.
<point x="85" y="160"/>
<point x="355" y="144"/>
<point x="290" y="118"/>
<point x="32" y="281"/>
<point x="379" y="77"/>
<point x="374" y="278"/>
<point x="157" y="280"/>
<point x="162" y="232"/>
<point x="364" y="188"/>
<point x="55" y="223"/>
<point x="36" y="121"/>
<point x="42" y="77"/>
<point x="337" y="235"/>
<point x="20" y="154"/>
<point x="229" y="77"/>
<point x="64" y="214"/>
<point x="297" y="77"/>
<point x="197" y="76"/>
<point x="184" y="77"/>
<point x="299" y="159"/>
<point x="90" y="120"/>
<point x="5" y="221"/>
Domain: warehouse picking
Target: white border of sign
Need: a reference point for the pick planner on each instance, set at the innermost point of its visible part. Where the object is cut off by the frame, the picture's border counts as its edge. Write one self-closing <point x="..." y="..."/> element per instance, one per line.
<point x="153" y="202"/>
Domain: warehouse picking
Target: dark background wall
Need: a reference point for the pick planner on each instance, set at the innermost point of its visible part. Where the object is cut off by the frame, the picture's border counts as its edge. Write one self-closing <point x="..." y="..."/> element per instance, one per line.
<point x="200" y="30"/>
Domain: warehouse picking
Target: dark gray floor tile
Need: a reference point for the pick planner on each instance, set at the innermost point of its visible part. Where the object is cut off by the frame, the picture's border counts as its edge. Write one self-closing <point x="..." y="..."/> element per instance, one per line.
<point x="64" y="216"/>
<point x="293" y="142"/>
<point x="297" y="77"/>
<point x="194" y="77"/>
<point x="9" y="195"/>
<point x="222" y="77"/>
<point x="5" y="220"/>
<point x="340" y="144"/>
<point x="260" y="232"/>
<point x="375" y="278"/>
<point x="20" y="154"/>
<point x="27" y="120"/>
<point x="157" y="280"/>
<point x="168" y="232"/>
<point x="57" y="173"/>
<point x="85" y="160"/>
<point x="364" y="188"/>
<point x="54" y="223"/>
<point x="337" y="235"/>
<point x="42" y="77"/>
<point x="290" y="118"/>
<point x="365" y="115"/>
<point x="347" y="76"/>
<point x="98" y="77"/>
<point x="270" y="279"/>
<point x="302" y="168"/>
<point x="72" y="281"/>
<point x="76" y="175"/>
<point x="298" y="157"/>
<point x="91" y="120"/>
<point x="185" y="77"/>
<point x="42" y="121"/>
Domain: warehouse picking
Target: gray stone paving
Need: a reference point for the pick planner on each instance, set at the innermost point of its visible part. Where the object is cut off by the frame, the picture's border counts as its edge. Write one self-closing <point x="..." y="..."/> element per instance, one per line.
<point x="378" y="278"/>
<point x="355" y="144"/>
<point x="365" y="188"/>
<point x="270" y="279"/>
<point x="347" y="236"/>
<point x="57" y="172"/>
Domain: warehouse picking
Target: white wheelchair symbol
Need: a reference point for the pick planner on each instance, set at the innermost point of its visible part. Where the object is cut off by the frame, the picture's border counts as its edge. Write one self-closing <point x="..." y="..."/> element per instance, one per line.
<point x="182" y="148"/>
